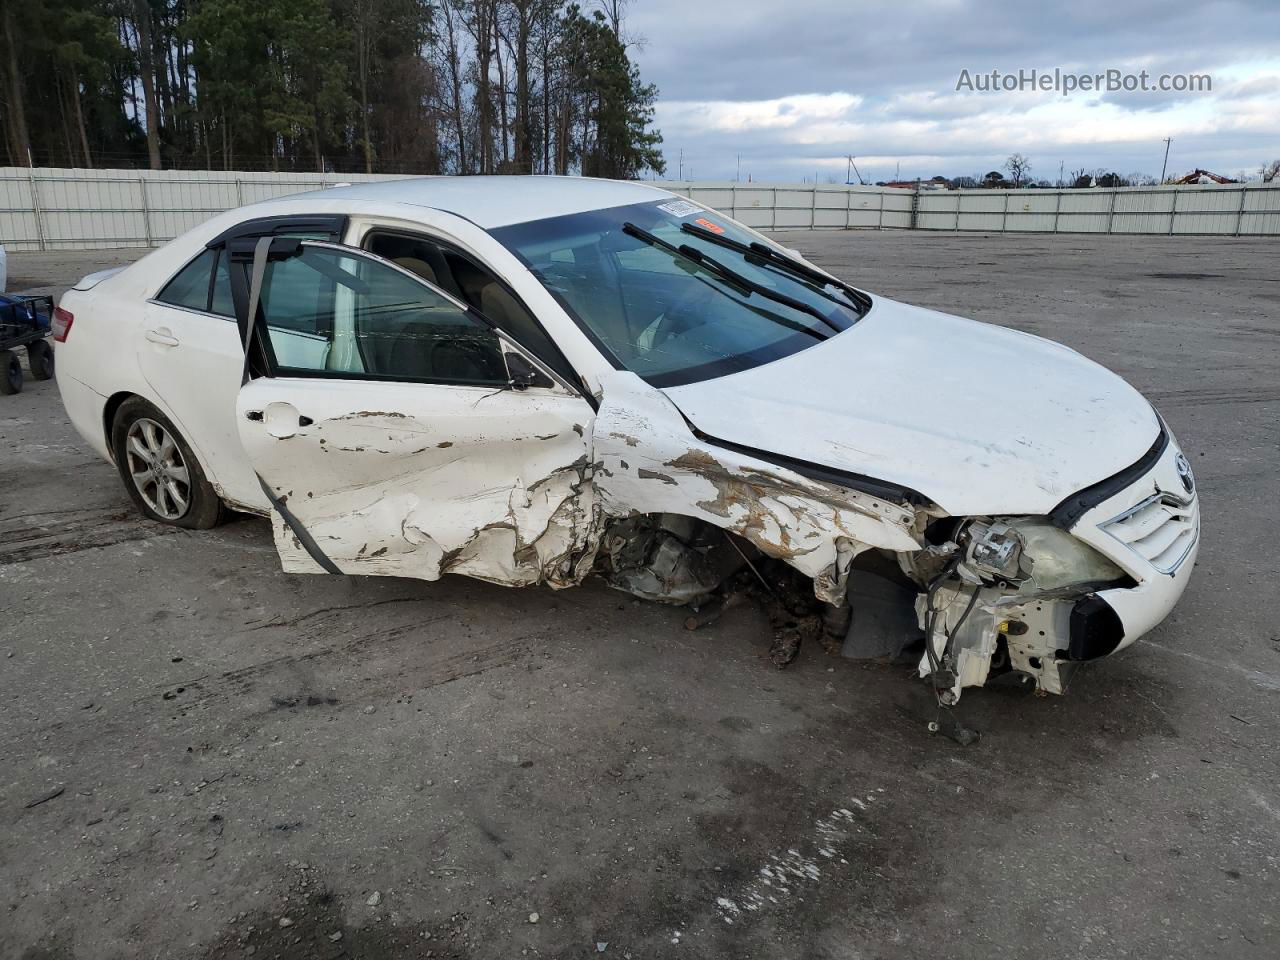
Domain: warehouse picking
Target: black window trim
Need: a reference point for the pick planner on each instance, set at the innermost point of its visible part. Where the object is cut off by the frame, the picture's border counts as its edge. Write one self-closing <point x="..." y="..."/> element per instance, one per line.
<point x="198" y="312"/>
<point x="218" y="254"/>
<point x="334" y="224"/>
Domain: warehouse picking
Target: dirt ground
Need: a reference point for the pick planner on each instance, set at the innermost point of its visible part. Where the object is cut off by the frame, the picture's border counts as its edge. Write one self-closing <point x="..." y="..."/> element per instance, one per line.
<point x="201" y="757"/>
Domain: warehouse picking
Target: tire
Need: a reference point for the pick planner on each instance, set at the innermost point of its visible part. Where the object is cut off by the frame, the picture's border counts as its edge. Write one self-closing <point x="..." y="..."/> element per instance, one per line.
<point x="159" y="470"/>
<point x="10" y="373"/>
<point x="40" y="359"/>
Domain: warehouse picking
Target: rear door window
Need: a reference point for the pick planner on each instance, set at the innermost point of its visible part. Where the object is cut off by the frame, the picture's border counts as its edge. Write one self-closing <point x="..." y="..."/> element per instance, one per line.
<point x="190" y="286"/>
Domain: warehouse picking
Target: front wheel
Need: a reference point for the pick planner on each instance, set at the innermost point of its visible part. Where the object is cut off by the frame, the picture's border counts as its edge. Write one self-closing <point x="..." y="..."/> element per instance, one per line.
<point x="159" y="470"/>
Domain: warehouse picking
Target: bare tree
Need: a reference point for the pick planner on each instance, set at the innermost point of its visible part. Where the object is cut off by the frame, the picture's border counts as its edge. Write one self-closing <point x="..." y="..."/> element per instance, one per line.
<point x="478" y="18"/>
<point x="19" y="140"/>
<point x="614" y="11"/>
<point x="1018" y="167"/>
<point x="146" y="67"/>
<point x="454" y="78"/>
<point x="1269" y="171"/>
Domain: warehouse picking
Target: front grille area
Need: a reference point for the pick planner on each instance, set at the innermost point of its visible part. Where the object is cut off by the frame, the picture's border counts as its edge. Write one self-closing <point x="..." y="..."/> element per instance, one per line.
<point x="1162" y="529"/>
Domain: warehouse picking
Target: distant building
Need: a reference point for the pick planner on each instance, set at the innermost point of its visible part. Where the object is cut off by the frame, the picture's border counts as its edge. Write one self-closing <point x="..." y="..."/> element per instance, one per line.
<point x="1202" y="176"/>
<point x="933" y="183"/>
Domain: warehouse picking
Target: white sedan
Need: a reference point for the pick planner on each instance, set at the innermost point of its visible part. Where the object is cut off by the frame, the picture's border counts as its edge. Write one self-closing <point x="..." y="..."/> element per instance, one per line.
<point x="527" y="380"/>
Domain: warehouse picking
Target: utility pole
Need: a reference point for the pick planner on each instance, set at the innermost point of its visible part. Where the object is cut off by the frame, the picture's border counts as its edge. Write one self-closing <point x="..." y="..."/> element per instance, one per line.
<point x="1165" y="166"/>
<point x="1061" y="164"/>
<point x="681" y="175"/>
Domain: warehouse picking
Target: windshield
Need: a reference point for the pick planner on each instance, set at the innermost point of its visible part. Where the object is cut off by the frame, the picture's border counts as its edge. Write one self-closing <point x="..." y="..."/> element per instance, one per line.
<point x="673" y="292"/>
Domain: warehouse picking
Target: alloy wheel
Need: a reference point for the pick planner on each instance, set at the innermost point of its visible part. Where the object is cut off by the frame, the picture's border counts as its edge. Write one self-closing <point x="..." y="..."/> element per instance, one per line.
<point x="158" y="471"/>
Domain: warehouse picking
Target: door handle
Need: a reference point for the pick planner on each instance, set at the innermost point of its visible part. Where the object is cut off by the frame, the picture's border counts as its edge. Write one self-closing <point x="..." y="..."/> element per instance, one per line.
<point x="256" y="417"/>
<point x="281" y="419"/>
<point x="163" y="336"/>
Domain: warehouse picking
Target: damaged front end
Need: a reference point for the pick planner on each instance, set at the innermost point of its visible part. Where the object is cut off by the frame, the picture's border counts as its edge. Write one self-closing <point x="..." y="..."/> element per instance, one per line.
<point x="669" y="515"/>
<point x="1009" y="594"/>
<point x="687" y="521"/>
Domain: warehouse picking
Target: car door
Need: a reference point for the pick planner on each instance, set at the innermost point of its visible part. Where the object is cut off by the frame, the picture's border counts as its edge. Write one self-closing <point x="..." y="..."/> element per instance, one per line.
<point x="397" y="432"/>
<point x="191" y="354"/>
<point x="191" y="357"/>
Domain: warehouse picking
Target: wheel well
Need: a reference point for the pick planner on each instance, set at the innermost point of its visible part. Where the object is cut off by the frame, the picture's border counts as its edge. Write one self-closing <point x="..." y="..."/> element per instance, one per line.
<point x="109" y="417"/>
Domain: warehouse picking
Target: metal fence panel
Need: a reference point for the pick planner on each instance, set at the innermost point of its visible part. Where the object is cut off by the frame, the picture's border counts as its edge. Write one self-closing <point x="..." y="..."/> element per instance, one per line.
<point x="53" y="208"/>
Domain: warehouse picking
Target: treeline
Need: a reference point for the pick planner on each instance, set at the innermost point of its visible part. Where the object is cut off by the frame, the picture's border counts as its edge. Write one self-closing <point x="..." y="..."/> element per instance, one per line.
<point x="414" y="86"/>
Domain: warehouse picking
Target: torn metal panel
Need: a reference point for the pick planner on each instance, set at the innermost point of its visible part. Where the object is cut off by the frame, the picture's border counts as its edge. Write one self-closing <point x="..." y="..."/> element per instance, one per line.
<point x="649" y="461"/>
<point x="971" y="624"/>
<point x="492" y="484"/>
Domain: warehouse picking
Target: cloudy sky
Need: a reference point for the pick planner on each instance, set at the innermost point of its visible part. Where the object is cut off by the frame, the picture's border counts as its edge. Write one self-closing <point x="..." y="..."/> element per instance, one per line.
<point x="793" y="88"/>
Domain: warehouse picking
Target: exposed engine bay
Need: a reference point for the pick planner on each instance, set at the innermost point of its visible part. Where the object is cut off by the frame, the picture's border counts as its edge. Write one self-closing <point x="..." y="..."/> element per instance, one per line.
<point x="984" y="597"/>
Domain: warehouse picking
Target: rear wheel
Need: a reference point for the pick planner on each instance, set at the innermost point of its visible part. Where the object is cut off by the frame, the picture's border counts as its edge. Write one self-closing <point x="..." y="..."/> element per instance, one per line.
<point x="159" y="469"/>
<point x="40" y="359"/>
<point x="10" y="372"/>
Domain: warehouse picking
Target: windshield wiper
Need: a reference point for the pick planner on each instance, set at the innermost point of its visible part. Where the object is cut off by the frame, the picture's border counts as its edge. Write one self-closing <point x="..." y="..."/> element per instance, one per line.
<point x="771" y="256"/>
<point x="718" y="269"/>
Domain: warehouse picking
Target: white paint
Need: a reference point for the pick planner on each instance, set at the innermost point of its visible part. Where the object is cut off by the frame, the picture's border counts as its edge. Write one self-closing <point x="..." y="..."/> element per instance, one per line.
<point x="980" y="419"/>
<point x="786" y="874"/>
<point x="91" y="280"/>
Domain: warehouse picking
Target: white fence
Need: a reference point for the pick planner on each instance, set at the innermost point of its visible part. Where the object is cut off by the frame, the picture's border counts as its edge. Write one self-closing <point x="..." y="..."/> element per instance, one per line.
<point x="1218" y="210"/>
<point x="52" y="208"/>
<point x="802" y="206"/>
<point x="49" y="208"/>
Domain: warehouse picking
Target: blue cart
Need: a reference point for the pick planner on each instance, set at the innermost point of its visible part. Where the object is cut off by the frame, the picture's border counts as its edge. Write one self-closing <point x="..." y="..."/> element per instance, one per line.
<point x="24" y="322"/>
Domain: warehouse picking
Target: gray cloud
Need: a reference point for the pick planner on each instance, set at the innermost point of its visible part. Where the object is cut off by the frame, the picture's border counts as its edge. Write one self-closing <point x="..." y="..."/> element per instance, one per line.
<point x="902" y="62"/>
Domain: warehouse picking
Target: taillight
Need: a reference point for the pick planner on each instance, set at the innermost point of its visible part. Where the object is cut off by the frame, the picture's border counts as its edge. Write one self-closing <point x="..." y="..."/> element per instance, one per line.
<point x="61" y="325"/>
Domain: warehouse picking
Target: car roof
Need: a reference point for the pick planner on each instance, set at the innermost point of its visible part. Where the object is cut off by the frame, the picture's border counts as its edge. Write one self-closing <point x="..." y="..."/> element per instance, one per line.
<point x="498" y="201"/>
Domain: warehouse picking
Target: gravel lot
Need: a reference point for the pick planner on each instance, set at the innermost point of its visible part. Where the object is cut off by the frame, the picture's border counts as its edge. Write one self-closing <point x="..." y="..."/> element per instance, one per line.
<point x="255" y="764"/>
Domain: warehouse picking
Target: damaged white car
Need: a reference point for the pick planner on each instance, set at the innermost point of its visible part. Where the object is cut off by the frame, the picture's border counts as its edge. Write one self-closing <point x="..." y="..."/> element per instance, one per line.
<point x="533" y="380"/>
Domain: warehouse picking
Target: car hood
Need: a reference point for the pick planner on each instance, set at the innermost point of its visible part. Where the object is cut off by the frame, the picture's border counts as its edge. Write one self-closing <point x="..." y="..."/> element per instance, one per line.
<point x="978" y="418"/>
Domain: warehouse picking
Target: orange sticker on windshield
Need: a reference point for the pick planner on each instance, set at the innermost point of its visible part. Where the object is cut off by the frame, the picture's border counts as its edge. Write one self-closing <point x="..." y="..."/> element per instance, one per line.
<point x="708" y="225"/>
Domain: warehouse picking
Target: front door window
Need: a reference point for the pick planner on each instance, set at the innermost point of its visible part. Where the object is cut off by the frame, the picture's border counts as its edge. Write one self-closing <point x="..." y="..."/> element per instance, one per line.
<point x="338" y="314"/>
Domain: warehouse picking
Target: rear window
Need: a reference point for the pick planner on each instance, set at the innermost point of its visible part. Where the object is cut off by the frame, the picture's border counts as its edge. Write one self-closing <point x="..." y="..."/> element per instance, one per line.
<point x="190" y="286"/>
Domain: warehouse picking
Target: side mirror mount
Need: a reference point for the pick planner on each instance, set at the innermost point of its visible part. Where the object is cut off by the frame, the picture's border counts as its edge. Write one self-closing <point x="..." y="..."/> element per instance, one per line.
<point x="523" y="374"/>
